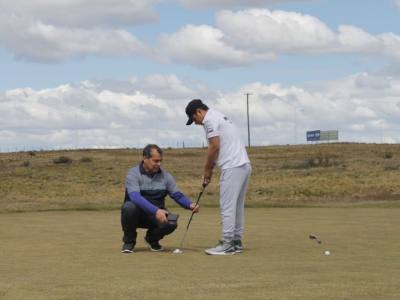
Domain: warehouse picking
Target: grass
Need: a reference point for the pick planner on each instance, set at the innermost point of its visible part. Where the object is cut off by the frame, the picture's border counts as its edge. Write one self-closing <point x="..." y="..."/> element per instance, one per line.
<point x="76" y="255"/>
<point x="66" y="243"/>
<point x="283" y="176"/>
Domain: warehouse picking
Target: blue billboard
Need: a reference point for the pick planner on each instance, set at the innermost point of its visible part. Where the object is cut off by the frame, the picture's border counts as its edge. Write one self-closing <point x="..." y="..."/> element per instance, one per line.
<point x="313" y="136"/>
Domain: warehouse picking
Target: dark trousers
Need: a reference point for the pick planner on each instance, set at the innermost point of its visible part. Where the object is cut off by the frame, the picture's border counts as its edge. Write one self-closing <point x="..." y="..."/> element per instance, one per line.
<point x="133" y="217"/>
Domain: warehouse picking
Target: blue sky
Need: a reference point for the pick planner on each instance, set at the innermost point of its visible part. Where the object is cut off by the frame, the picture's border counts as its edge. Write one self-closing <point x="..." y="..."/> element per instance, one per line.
<point x="84" y="77"/>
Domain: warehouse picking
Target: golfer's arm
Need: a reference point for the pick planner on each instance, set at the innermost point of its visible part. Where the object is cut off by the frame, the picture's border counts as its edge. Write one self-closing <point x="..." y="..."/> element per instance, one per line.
<point x="181" y="199"/>
<point x="212" y="154"/>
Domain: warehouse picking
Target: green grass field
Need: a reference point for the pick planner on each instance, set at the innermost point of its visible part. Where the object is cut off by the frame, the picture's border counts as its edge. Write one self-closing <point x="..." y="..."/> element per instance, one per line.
<point x="60" y="234"/>
<point x="76" y="255"/>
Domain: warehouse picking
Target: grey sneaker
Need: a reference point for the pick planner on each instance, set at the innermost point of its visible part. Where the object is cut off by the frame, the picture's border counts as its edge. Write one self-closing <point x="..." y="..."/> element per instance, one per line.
<point x="127" y="248"/>
<point x="222" y="248"/>
<point x="238" y="246"/>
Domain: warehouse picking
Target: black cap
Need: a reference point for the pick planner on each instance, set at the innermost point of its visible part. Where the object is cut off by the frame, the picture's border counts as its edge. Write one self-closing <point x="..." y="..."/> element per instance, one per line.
<point x="191" y="109"/>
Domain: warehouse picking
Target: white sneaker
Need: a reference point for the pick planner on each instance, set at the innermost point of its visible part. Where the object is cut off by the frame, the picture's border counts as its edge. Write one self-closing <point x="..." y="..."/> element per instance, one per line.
<point x="222" y="248"/>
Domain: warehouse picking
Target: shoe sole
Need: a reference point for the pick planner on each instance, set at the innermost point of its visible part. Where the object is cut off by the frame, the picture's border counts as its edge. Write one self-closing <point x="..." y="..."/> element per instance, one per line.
<point x="239" y="250"/>
<point x="127" y="251"/>
<point x="155" y="250"/>
<point x="219" y="253"/>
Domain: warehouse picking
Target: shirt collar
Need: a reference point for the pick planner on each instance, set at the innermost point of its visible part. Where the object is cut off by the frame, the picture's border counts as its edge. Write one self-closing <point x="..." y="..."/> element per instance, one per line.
<point x="207" y="115"/>
<point x="144" y="172"/>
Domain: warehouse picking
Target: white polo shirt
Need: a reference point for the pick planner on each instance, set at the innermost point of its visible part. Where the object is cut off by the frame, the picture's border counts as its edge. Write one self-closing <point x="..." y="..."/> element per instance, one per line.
<point x="232" y="152"/>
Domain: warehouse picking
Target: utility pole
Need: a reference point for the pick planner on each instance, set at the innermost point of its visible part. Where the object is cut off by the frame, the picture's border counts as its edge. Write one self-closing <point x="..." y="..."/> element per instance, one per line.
<point x="248" y="119"/>
<point x="295" y="125"/>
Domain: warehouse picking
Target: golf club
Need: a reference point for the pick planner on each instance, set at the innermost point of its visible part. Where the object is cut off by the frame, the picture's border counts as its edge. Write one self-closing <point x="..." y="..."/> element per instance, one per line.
<point x="314" y="237"/>
<point x="190" y="220"/>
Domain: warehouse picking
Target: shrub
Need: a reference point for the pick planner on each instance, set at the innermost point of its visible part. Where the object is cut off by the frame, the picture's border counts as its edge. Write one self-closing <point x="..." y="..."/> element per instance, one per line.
<point x="26" y="163"/>
<point x="62" y="160"/>
<point x="391" y="166"/>
<point x="86" y="159"/>
<point x="317" y="161"/>
<point x="388" y="155"/>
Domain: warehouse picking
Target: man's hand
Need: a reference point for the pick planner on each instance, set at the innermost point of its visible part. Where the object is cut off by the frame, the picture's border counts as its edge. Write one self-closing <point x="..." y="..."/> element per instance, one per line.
<point x="194" y="208"/>
<point x="207" y="177"/>
<point x="161" y="215"/>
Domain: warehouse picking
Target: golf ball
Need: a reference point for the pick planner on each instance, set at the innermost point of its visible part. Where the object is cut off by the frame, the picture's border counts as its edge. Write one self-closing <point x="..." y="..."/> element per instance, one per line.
<point x="177" y="251"/>
<point x="327" y="252"/>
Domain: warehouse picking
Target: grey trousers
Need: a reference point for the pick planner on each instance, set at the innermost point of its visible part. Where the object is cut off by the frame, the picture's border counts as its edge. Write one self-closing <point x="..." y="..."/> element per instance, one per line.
<point x="233" y="188"/>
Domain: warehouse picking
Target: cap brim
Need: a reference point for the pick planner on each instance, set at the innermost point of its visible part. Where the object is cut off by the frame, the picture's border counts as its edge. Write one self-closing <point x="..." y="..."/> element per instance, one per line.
<point x="189" y="122"/>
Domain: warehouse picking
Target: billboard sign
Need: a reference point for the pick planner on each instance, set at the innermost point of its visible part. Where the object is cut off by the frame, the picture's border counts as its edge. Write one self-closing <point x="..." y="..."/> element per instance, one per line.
<point x="330" y="135"/>
<point x="313" y="136"/>
<point x="318" y="135"/>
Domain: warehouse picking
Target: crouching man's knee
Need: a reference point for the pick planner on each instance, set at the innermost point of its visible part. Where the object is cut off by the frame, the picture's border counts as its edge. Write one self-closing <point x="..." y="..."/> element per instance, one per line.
<point x="169" y="227"/>
<point x="130" y="209"/>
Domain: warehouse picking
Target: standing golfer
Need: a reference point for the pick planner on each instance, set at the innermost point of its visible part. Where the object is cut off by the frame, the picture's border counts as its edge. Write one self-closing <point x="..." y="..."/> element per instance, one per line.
<point x="226" y="149"/>
<point x="146" y="187"/>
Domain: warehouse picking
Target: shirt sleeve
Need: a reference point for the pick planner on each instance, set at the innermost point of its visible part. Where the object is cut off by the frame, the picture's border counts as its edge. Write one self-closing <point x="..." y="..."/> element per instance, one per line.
<point x="211" y="128"/>
<point x="175" y="194"/>
<point x="171" y="184"/>
<point x="181" y="199"/>
<point x="132" y="183"/>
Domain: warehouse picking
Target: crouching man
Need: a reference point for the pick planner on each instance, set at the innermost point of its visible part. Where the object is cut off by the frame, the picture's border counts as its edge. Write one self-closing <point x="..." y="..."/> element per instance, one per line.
<point x="146" y="187"/>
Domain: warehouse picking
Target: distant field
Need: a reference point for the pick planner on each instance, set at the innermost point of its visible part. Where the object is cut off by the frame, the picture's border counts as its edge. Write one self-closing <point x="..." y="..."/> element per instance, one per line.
<point x="283" y="176"/>
<point x="76" y="255"/>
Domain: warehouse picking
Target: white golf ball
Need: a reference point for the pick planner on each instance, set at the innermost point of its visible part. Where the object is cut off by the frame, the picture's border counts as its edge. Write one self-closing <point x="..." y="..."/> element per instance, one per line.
<point x="327" y="252"/>
<point x="177" y="251"/>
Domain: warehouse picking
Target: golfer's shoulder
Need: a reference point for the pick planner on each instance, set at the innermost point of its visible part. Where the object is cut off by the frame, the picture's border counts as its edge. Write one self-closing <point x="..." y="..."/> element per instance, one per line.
<point x="212" y="117"/>
<point x="167" y="175"/>
<point x="134" y="171"/>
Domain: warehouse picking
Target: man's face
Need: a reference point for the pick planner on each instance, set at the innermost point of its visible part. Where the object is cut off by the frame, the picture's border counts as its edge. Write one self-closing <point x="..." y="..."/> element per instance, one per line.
<point x="152" y="165"/>
<point x="198" y="117"/>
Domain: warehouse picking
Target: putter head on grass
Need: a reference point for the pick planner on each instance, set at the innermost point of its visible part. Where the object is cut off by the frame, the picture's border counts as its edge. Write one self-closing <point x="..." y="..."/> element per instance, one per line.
<point x="314" y="237"/>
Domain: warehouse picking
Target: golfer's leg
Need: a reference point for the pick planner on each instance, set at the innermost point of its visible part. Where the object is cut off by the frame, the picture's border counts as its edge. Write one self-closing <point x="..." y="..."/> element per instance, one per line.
<point x="157" y="231"/>
<point x="243" y="181"/>
<point x="229" y="192"/>
<point x="130" y="216"/>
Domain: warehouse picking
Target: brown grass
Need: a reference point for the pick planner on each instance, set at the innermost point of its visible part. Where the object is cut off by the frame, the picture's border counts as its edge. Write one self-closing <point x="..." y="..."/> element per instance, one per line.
<point x="304" y="175"/>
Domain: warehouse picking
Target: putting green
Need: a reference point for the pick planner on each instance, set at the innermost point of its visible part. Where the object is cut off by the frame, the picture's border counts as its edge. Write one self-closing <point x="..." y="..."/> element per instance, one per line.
<point x="76" y="255"/>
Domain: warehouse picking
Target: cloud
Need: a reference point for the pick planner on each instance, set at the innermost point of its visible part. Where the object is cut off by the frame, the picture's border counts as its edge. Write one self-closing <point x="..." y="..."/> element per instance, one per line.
<point x="205" y="47"/>
<point x="397" y="2"/>
<point x="289" y="32"/>
<point x="281" y="115"/>
<point x="246" y="37"/>
<point x="82" y="13"/>
<point x="46" y="43"/>
<point x="363" y="107"/>
<point x="54" y="31"/>
<point x="233" y="3"/>
<point x="275" y="31"/>
<point x="95" y="114"/>
<point x="391" y="44"/>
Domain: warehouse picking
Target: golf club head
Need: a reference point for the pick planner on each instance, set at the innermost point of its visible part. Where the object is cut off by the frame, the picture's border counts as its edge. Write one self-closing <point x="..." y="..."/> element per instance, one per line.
<point x="314" y="237"/>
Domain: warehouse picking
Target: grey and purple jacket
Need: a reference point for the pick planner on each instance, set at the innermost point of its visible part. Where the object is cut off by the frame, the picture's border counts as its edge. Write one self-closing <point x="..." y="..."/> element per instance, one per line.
<point x="148" y="191"/>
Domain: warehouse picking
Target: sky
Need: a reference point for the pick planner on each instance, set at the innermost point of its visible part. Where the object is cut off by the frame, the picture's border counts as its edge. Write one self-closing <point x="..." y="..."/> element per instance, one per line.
<point x="117" y="74"/>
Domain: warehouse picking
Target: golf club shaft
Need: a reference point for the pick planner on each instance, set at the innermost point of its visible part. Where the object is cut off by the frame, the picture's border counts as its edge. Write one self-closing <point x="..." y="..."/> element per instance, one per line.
<point x="197" y="202"/>
<point x="191" y="216"/>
